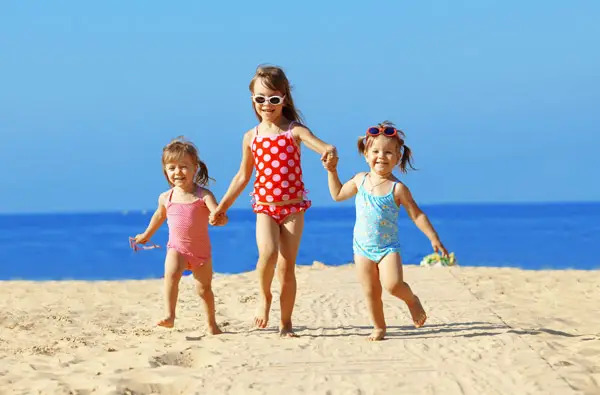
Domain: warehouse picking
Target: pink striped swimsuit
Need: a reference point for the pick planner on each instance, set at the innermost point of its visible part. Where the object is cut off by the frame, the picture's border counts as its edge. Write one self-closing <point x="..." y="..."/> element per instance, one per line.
<point x="188" y="230"/>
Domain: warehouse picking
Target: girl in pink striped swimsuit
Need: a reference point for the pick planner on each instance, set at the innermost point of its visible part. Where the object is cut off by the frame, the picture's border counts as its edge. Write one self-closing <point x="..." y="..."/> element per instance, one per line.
<point x="279" y="198"/>
<point x="186" y="207"/>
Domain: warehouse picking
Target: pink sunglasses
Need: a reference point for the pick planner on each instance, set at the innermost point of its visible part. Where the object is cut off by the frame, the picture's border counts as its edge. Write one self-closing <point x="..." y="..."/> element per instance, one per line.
<point x="138" y="247"/>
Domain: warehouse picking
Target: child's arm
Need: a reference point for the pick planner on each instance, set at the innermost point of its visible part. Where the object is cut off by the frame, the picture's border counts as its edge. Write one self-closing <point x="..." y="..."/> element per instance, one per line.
<point x="240" y="180"/>
<point x="211" y="204"/>
<point x="326" y="151"/>
<point x="403" y="196"/>
<point x="338" y="191"/>
<point x="158" y="218"/>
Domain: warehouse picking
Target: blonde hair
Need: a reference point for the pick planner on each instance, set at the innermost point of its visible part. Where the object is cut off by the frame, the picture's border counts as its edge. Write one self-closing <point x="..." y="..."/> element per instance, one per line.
<point x="274" y="78"/>
<point x="364" y="142"/>
<point x="176" y="150"/>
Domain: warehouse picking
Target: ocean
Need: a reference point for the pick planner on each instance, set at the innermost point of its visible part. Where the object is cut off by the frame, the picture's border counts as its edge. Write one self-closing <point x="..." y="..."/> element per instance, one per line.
<point x="94" y="246"/>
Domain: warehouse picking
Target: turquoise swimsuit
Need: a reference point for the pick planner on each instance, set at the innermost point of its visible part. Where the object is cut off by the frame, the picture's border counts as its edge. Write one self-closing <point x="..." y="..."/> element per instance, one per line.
<point x="376" y="227"/>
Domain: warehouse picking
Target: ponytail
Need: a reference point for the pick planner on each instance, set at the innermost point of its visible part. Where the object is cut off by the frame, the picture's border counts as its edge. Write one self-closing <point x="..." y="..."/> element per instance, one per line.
<point x="406" y="159"/>
<point x="362" y="144"/>
<point x="202" y="177"/>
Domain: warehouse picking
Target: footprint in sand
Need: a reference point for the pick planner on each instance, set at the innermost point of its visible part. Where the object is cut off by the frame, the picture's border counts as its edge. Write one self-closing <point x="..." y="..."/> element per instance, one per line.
<point x="246" y="299"/>
<point x="188" y="358"/>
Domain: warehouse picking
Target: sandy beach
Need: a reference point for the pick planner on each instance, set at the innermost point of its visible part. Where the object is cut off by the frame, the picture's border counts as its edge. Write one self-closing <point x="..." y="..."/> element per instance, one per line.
<point x="490" y="331"/>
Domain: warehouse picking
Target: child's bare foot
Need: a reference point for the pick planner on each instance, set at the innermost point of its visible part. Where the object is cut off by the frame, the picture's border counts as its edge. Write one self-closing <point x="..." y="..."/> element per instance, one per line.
<point x="261" y="319"/>
<point x="377" y="334"/>
<point x="168" y="322"/>
<point x="417" y="312"/>
<point x="213" y="329"/>
<point x="286" y="330"/>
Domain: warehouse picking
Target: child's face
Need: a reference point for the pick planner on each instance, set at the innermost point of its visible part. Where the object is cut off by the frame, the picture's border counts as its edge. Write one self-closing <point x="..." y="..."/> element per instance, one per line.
<point x="383" y="154"/>
<point x="267" y="111"/>
<point x="181" y="173"/>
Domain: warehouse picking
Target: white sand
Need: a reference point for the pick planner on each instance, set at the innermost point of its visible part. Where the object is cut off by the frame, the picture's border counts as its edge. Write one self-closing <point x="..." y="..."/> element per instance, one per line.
<point x="490" y="331"/>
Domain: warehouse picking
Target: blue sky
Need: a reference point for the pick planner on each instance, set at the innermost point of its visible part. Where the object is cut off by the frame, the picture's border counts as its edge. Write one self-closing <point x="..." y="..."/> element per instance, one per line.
<point x="496" y="98"/>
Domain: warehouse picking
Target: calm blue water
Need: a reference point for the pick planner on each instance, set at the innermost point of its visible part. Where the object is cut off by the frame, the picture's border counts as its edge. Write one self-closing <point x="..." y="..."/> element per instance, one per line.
<point x="95" y="246"/>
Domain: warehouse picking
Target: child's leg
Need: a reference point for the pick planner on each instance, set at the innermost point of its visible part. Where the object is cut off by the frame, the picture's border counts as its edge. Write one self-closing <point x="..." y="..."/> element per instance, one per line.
<point x="203" y="275"/>
<point x="368" y="275"/>
<point x="174" y="265"/>
<point x="390" y="271"/>
<point x="289" y="243"/>
<point x="267" y="241"/>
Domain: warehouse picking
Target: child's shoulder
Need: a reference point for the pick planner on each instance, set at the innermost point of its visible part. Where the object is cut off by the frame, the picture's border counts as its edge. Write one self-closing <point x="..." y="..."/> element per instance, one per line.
<point x="204" y="192"/>
<point x="399" y="184"/>
<point x="297" y="129"/>
<point x="359" y="177"/>
<point x="400" y="188"/>
<point x="248" y="136"/>
<point x="164" y="196"/>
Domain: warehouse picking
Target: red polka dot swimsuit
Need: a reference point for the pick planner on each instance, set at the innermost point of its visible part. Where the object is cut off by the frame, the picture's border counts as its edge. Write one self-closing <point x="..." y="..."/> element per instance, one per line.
<point x="278" y="175"/>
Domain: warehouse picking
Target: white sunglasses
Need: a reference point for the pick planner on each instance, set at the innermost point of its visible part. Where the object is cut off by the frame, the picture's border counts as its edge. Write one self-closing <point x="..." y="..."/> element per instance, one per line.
<point x="274" y="100"/>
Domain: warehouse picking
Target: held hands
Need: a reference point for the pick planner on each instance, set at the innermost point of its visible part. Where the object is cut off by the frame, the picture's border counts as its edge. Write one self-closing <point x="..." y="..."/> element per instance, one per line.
<point x="330" y="159"/>
<point x="218" y="218"/>
<point x="439" y="247"/>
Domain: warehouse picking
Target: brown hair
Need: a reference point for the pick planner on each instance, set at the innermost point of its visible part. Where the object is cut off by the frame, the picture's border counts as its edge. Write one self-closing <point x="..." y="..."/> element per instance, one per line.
<point x="176" y="150"/>
<point x="274" y="78"/>
<point x="364" y="142"/>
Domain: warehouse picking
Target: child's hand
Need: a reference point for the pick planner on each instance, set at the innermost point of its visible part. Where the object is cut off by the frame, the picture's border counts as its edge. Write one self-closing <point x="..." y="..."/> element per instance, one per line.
<point x="330" y="158"/>
<point x="330" y="163"/>
<point x="439" y="247"/>
<point x="330" y="152"/>
<point x="217" y="218"/>
<point x="220" y="220"/>
<point x="141" y="238"/>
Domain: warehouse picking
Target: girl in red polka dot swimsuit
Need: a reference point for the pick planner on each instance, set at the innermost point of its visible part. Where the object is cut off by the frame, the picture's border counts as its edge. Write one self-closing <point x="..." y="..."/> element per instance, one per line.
<point x="278" y="175"/>
<point x="272" y="149"/>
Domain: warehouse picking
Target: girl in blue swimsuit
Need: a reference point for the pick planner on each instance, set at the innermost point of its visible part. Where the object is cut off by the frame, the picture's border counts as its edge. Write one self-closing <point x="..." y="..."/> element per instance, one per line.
<point x="379" y="195"/>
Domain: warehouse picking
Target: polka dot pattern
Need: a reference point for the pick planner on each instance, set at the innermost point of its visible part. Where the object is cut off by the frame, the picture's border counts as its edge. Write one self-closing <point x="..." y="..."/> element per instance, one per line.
<point x="280" y="213"/>
<point x="278" y="171"/>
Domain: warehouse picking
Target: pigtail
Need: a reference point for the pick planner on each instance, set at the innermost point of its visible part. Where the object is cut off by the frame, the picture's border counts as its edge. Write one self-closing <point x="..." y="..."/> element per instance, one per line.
<point x="362" y="144"/>
<point x="406" y="160"/>
<point x="202" y="177"/>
